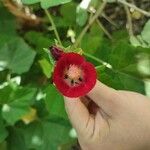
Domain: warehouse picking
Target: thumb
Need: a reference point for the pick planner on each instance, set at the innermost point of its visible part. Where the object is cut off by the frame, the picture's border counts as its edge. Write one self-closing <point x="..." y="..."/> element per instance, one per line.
<point x="77" y="113"/>
<point x="105" y="97"/>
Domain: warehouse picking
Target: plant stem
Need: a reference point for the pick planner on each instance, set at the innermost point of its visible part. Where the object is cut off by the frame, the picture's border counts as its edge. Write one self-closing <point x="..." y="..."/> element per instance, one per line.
<point x="109" y="19"/>
<point x="94" y="58"/>
<point x="53" y="25"/>
<point x="129" y="21"/>
<point x="91" y="21"/>
<point x="103" y="28"/>
<point x="124" y="2"/>
<point x="98" y="60"/>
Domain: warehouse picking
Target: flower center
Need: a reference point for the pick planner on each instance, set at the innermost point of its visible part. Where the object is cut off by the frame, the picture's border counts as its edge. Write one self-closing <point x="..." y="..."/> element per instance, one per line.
<point x="73" y="75"/>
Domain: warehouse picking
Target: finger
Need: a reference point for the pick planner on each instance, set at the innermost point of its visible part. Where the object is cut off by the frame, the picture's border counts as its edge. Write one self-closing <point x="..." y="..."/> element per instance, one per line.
<point x="77" y="113"/>
<point x="105" y="97"/>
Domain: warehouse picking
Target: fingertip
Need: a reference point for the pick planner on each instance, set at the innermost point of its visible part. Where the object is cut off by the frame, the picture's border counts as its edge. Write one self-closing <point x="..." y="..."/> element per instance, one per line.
<point x="105" y="97"/>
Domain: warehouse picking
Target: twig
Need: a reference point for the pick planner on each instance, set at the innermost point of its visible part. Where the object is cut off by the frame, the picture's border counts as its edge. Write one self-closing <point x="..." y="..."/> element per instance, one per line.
<point x="20" y="14"/>
<point x="129" y="21"/>
<point x="53" y="25"/>
<point x="103" y="28"/>
<point x="109" y="19"/>
<point x="91" y="21"/>
<point x="134" y="7"/>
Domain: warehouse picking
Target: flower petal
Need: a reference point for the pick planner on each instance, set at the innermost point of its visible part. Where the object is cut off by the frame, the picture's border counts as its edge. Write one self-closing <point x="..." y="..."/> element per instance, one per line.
<point x="89" y="77"/>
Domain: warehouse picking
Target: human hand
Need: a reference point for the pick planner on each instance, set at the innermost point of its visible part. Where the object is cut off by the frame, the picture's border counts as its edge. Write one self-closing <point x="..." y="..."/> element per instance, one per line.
<point x="108" y="119"/>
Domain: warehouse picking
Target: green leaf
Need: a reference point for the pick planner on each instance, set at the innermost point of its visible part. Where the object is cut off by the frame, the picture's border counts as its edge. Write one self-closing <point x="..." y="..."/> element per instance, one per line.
<point x="38" y="40"/>
<point x="30" y="1"/>
<point x="111" y="1"/>
<point x="122" y="55"/>
<point x="7" y="23"/>
<point x="82" y="16"/>
<point x="120" y="81"/>
<point x="16" y="140"/>
<point x="5" y="94"/>
<point x="42" y="135"/>
<point x="46" y="67"/>
<point x="134" y="41"/>
<point x="146" y="32"/>
<point x="68" y="146"/>
<point x="94" y="3"/>
<point x="7" y="26"/>
<point x="104" y="50"/>
<point x="3" y="131"/>
<point x="49" y="56"/>
<point x="46" y="3"/>
<point x="55" y="102"/>
<point x="17" y="55"/>
<point x="3" y="145"/>
<point x="66" y="17"/>
<point x="89" y="44"/>
<point x="50" y="139"/>
<point x="17" y="104"/>
<point x="56" y="138"/>
<point x="50" y="3"/>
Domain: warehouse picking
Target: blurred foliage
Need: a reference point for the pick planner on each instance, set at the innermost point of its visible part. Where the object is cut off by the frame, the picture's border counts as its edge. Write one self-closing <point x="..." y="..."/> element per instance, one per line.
<point x="32" y="113"/>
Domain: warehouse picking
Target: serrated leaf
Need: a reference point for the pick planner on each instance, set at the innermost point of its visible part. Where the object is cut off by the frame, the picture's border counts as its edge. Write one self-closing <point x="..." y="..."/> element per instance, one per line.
<point x="17" y="55"/>
<point x="46" y="67"/>
<point x="55" y="102"/>
<point x="18" y="104"/>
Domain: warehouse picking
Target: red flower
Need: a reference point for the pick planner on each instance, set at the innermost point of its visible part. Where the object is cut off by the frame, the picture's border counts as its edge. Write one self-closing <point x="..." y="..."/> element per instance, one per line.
<point x="56" y="52"/>
<point x="73" y="76"/>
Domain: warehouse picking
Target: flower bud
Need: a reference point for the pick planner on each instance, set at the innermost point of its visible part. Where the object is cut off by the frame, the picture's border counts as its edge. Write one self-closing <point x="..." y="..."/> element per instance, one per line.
<point x="56" y="52"/>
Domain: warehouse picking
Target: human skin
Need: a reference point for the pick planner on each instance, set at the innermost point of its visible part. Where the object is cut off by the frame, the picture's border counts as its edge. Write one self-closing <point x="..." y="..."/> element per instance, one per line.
<point x="107" y="119"/>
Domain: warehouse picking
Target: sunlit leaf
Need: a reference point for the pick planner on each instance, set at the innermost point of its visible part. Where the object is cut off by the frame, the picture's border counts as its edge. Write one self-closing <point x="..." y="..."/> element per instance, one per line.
<point x="17" y="55"/>
<point x="146" y="32"/>
<point x="17" y="104"/>
<point x="82" y="16"/>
